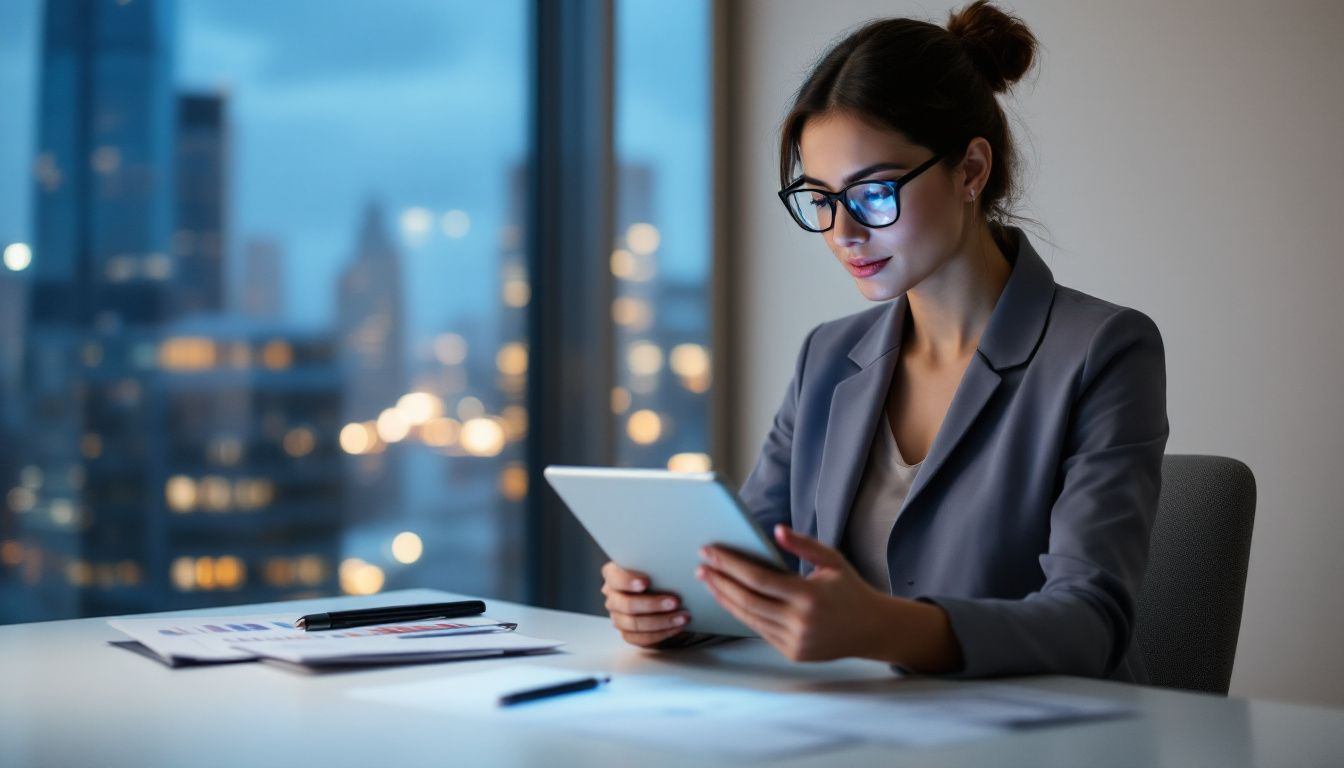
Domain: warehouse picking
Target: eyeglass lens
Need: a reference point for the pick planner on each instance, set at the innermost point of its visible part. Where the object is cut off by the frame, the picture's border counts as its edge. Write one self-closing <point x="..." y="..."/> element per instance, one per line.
<point x="873" y="204"/>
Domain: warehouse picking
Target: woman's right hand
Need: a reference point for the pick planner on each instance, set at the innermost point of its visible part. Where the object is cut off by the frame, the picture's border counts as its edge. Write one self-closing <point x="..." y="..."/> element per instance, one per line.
<point x="643" y="618"/>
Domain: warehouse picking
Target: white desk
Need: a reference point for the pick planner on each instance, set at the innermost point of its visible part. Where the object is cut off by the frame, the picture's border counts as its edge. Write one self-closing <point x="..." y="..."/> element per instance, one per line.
<point x="67" y="698"/>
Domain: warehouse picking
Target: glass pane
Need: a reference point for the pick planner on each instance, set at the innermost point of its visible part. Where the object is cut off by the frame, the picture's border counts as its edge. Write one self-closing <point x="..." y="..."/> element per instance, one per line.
<point x="662" y="250"/>
<point x="261" y="314"/>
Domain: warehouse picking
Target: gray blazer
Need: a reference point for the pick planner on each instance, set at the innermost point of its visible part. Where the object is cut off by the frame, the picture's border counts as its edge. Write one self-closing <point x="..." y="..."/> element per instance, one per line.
<point x="1029" y="519"/>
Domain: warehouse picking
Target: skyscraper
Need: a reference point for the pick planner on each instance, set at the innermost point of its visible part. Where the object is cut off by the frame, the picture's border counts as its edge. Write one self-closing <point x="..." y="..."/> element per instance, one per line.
<point x="246" y="462"/>
<point x="101" y="277"/>
<point x="199" y="242"/>
<point x="371" y="330"/>
<point x="263" y="284"/>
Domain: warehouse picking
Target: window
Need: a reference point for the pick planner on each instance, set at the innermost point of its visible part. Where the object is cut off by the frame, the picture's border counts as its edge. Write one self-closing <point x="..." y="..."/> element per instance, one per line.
<point x="265" y="297"/>
<point x="265" y="340"/>
<point x="661" y="254"/>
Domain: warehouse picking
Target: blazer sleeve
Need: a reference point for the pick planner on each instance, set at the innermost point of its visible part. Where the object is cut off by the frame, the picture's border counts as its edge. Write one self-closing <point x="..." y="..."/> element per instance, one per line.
<point x="766" y="491"/>
<point x="1081" y="620"/>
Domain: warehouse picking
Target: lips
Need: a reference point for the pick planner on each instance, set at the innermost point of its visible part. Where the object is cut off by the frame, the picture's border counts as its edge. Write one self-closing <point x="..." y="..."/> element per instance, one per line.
<point x="866" y="267"/>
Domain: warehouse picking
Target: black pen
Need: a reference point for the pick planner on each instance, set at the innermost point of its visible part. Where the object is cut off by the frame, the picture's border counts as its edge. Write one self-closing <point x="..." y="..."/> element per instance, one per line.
<point x="390" y="615"/>
<point x="546" y="691"/>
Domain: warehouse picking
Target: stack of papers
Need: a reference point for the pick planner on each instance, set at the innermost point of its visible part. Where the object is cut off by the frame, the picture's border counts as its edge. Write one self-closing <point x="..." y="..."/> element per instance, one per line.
<point x="216" y="639"/>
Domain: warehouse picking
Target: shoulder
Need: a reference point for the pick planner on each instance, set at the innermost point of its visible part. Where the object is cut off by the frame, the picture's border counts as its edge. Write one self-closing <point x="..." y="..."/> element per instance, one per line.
<point x="1089" y="320"/>
<point x="841" y="334"/>
<point x="1096" y="334"/>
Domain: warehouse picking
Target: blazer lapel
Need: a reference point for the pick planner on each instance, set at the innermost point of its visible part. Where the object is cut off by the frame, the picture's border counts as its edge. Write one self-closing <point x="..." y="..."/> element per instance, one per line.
<point x="856" y="404"/>
<point x="976" y="387"/>
<point x="1009" y="340"/>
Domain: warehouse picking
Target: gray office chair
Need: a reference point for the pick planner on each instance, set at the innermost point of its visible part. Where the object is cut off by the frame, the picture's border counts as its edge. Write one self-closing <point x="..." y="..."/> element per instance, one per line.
<point x="1189" y="608"/>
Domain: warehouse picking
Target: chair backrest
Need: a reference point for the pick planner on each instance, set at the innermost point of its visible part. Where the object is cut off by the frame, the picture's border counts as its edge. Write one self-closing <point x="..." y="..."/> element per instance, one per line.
<point x="1189" y="608"/>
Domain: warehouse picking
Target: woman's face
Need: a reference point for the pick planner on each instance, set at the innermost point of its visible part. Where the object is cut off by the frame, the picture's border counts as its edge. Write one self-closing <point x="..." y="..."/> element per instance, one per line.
<point x="837" y="149"/>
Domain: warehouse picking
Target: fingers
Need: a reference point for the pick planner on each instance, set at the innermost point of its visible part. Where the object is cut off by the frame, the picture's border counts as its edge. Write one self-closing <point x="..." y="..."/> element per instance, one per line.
<point x="769" y="630"/>
<point x="657" y="622"/>
<point x="643" y="618"/>
<point x="808" y="548"/>
<point x="625" y="580"/>
<point x="646" y="639"/>
<point x="654" y="602"/>
<point x="743" y="602"/>
<point x="760" y="578"/>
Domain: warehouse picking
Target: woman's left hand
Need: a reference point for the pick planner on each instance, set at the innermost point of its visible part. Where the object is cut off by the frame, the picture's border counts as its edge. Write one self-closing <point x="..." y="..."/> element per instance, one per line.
<point x="831" y="613"/>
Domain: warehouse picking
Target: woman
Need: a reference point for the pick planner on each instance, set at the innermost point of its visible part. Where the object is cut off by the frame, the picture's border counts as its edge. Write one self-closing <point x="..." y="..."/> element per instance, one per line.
<point x="967" y="474"/>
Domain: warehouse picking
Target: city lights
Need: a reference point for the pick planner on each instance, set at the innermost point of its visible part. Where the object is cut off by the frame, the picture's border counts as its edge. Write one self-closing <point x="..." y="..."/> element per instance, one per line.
<point x="214" y="493"/>
<point x="299" y="442"/>
<point x="512" y="359"/>
<point x="407" y="547"/>
<point x="634" y="314"/>
<point x="620" y="400"/>
<point x="644" y="358"/>
<point x="441" y="432"/>
<point x="392" y="426"/>
<point x="63" y="512"/>
<point x="450" y="349"/>
<point x="21" y="499"/>
<point x="689" y="360"/>
<point x="250" y="495"/>
<point x="357" y="439"/>
<point x="277" y="355"/>
<point x="689" y="462"/>
<point x="622" y="263"/>
<point x="642" y="238"/>
<point x="515" y="422"/>
<point x="644" y="427"/>
<point x="311" y="570"/>
<point x="18" y="257"/>
<point x="360" y="578"/>
<point x="419" y="407"/>
<point x="483" y="437"/>
<point x="513" y="482"/>
<point x="180" y="493"/>
<point x="186" y="353"/>
<point x="415" y="225"/>
<point x="183" y="573"/>
<point x="516" y="293"/>
<point x="455" y="223"/>
<point x="11" y="553"/>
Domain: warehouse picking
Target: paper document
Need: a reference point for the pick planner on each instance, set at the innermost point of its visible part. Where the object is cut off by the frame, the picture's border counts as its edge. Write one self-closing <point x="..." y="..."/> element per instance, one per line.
<point x="678" y="715"/>
<point x="243" y="638"/>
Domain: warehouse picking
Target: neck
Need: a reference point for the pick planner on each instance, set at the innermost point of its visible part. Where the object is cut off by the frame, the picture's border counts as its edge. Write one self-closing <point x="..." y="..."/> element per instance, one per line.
<point x="950" y="309"/>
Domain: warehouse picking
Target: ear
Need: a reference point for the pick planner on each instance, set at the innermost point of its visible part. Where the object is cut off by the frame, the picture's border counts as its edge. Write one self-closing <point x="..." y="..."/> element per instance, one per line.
<point x="975" y="166"/>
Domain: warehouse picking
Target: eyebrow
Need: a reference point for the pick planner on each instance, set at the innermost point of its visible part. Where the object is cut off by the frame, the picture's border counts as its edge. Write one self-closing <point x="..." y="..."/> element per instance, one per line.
<point x="853" y="177"/>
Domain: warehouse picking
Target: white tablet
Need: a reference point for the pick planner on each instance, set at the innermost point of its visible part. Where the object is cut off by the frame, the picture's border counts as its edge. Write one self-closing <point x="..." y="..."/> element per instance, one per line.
<point x="656" y="521"/>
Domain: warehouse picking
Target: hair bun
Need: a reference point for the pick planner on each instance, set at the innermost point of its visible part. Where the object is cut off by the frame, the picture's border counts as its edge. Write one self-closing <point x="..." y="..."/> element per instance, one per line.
<point x="1000" y="45"/>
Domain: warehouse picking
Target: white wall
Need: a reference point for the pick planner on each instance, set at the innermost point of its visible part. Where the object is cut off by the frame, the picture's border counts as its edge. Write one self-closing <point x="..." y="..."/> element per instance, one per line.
<point x="1186" y="160"/>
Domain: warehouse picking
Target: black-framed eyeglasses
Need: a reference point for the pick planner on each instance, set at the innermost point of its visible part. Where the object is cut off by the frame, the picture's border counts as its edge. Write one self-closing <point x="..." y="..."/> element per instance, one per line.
<point x="873" y="204"/>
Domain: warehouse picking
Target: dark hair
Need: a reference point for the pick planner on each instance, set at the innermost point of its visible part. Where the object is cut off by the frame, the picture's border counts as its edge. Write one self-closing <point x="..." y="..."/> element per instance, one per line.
<point x="935" y="86"/>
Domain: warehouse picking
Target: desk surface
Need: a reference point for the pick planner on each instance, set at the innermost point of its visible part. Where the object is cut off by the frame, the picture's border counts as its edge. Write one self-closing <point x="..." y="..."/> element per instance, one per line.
<point x="68" y="698"/>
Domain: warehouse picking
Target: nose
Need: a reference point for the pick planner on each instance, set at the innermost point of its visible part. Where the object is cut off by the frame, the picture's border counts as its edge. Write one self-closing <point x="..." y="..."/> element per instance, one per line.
<point x="847" y="232"/>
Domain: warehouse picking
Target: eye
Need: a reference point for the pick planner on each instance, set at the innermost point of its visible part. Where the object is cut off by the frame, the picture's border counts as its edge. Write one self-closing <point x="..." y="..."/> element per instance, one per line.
<point x="876" y="193"/>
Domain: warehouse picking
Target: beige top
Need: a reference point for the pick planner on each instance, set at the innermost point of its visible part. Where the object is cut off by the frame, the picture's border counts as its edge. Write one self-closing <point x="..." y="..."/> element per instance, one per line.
<point x="882" y="491"/>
